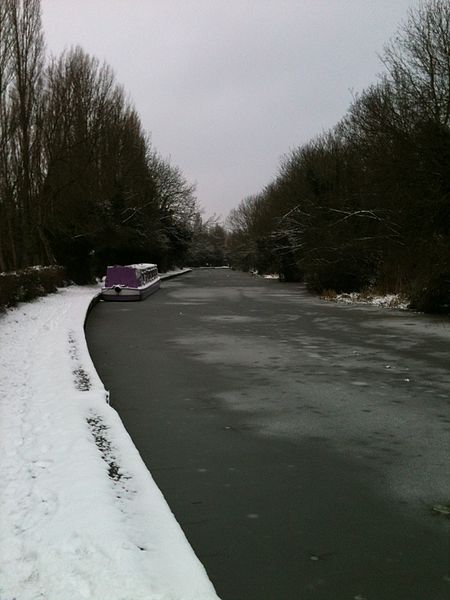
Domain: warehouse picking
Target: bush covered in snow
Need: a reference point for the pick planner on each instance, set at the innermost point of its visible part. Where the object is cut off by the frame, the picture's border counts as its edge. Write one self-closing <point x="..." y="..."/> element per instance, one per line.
<point x="27" y="284"/>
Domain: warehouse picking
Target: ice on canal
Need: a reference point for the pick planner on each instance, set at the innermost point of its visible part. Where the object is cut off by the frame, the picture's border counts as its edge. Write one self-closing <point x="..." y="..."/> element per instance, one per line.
<point x="376" y="392"/>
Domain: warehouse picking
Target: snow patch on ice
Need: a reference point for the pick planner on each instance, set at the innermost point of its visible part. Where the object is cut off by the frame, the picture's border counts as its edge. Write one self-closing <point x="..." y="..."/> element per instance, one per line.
<point x="265" y="275"/>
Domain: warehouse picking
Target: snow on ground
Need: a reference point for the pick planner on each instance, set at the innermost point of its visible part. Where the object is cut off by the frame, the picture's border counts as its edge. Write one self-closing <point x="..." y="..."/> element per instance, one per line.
<point x="174" y="273"/>
<point x="386" y="301"/>
<point x="81" y="517"/>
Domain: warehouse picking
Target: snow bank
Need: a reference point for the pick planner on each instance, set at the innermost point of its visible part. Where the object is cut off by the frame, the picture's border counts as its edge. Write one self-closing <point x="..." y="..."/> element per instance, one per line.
<point x="81" y="517"/>
<point x="387" y="301"/>
<point x="174" y="273"/>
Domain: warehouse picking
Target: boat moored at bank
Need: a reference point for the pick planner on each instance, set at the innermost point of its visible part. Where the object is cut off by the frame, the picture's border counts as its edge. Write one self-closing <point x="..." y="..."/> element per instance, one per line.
<point x="130" y="282"/>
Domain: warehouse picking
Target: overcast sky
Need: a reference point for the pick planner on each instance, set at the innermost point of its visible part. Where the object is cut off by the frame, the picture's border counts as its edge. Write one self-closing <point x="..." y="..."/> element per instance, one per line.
<point x="226" y="87"/>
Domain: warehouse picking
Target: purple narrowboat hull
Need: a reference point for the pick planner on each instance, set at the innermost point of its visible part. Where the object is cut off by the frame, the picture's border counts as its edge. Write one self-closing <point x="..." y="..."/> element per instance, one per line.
<point x="130" y="294"/>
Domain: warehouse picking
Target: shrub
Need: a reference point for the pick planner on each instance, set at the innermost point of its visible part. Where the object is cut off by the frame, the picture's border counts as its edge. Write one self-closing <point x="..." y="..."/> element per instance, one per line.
<point x="431" y="294"/>
<point x="29" y="283"/>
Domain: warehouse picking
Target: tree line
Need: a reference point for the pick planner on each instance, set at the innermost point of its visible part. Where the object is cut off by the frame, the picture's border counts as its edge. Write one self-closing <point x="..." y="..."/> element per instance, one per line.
<point x="367" y="204"/>
<point x="80" y="183"/>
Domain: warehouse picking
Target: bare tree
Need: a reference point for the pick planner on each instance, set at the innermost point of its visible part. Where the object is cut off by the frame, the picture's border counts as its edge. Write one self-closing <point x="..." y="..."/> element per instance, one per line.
<point x="78" y="175"/>
<point x="26" y="92"/>
<point x="418" y="61"/>
<point x="176" y="196"/>
<point x="7" y="242"/>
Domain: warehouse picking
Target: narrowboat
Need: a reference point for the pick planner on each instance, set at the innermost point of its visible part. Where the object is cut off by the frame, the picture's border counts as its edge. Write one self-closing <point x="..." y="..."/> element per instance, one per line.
<point x="130" y="282"/>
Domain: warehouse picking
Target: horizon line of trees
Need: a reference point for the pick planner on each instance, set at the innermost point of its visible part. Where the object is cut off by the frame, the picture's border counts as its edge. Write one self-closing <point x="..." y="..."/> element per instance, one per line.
<point x="80" y="182"/>
<point x="367" y="204"/>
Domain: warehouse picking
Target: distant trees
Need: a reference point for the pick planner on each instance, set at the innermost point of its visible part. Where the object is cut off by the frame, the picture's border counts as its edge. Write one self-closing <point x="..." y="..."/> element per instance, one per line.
<point x="80" y="183"/>
<point x="368" y="203"/>
<point x="208" y="245"/>
<point x="177" y="211"/>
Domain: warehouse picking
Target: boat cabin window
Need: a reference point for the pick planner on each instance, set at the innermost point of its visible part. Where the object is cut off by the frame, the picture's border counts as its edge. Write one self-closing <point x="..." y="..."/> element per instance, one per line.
<point x="146" y="275"/>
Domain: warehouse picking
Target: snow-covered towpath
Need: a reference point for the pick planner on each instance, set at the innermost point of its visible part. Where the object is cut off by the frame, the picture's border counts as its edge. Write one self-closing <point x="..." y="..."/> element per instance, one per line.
<point x="80" y="515"/>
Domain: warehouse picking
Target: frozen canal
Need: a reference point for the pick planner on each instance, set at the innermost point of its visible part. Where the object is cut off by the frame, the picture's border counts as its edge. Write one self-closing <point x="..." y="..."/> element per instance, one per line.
<point x="300" y="444"/>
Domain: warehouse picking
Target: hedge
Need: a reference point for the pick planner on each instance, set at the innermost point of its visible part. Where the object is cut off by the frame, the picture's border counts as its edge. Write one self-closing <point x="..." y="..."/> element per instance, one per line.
<point x="29" y="283"/>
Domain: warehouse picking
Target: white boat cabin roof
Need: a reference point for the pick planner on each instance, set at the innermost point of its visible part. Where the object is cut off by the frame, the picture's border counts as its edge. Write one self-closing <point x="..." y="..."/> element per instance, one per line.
<point x="139" y="266"/>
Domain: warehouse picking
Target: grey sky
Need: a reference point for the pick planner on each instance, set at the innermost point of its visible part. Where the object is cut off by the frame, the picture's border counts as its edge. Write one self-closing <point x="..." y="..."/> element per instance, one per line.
<point x="226" y="87"/>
